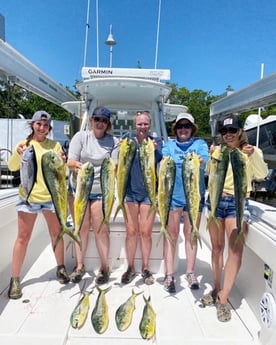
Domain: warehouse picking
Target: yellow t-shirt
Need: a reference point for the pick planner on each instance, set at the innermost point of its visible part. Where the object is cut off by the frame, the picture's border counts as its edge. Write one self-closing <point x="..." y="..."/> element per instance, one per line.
<point x="40" y="193"/>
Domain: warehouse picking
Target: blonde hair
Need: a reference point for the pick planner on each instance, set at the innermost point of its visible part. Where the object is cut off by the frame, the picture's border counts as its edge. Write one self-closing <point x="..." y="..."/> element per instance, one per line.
<point x="139" y="113"/>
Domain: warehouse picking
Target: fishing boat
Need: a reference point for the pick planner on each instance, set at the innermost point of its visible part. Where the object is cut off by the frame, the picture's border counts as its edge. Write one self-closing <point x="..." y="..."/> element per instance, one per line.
<point x="42" y="315"/>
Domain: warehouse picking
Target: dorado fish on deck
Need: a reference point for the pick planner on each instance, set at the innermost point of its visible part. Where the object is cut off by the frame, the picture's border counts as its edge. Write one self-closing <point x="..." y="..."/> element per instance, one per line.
<point x="99" y="316"/>
<point x="80" y="312"/>
<point x="84" y="182"/>
<point x="126" y="156"/>
<point x="28" y="171"/>
<point x="218" y="170"/>
<point x="147" y="324"/>
<point x="238" y="163"/>
<point x="124" y="313"/>
<point x="190" y="177"/>
<point x="147" y="164"/>
<point x="54" y="173"/>
<point x="166" y="180"/>
<point x="108" y="189"/>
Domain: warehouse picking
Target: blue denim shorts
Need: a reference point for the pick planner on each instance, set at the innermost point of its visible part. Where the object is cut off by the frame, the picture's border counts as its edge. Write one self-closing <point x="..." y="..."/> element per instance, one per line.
<point x="34" y="207"/>
<point x="176" y="205"/>
<point x="95" y="197"/>
<point x="132" y="198"/>
<point x="227" y="208"/>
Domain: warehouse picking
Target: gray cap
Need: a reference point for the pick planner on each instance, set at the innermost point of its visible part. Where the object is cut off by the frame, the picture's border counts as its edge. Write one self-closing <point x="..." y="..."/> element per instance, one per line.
<point x="41" y="115"/>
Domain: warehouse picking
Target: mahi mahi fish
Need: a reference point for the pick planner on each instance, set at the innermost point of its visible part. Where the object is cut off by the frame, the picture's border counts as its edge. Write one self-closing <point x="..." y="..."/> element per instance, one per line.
<point x="54" y="173"/>
<point x="166" y="180"/>
<point x="107" y="177"/>
<point x="126" y="156"/>
<point x="84" y="182"/>
<point x="217" y="174"/>
<point x="147" y="164"/>
<point x="124" y="313"/>
<point x="147" y="324"/>
<point x="99" y="316"/>
<point x="80" y="312"/>
<point x="238" y="164"/>
<point x="190" y="178"/>
<point x="28" y="172"/>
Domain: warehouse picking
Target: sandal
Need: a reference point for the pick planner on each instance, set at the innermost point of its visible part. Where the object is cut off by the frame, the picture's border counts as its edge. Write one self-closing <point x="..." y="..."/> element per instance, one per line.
<point x="128" y="276"/>
<point x="102" y="277"/>
<point x="147" y="277"/>
<point x="209" y="299"/>
<point x="223" y="311"/>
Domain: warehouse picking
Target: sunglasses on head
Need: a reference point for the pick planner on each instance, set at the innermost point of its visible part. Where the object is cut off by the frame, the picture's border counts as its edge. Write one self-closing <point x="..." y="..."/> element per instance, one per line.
<point x="100" y="119"/>
<point x="226" y="130"/>
<point x="184" y="125"/>
<point x="140" y="112"/>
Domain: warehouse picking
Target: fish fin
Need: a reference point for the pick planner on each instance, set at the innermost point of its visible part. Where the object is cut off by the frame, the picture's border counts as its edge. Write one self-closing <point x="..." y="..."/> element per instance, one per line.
<point x="104" y="222"/>
<point x="240" y="237"/>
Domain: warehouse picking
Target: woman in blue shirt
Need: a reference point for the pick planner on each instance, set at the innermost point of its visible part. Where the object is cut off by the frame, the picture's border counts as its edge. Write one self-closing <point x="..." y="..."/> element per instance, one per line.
<point x="184" y="129"/>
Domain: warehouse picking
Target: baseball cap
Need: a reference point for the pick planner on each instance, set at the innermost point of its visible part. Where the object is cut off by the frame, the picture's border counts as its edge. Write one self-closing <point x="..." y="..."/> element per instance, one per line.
<point x="101" y="112"/>
<point x="186" y="116"/>
<point x="41" y="115"/>
<point x="230" y="121"/>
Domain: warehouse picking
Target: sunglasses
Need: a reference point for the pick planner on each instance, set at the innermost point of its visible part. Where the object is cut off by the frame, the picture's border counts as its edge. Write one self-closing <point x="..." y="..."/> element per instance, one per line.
<point x="231" y="130"/>
<point x="184" y="125"/>
<point x="100" y="119"/>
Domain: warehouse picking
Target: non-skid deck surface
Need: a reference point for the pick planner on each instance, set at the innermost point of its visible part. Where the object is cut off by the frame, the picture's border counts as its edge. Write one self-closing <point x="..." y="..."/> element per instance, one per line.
<point x="42" y="316"/>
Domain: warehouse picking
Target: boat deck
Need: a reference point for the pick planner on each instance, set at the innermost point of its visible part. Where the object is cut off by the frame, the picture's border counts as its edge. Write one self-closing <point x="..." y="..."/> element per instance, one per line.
<point x="42" y="315"/>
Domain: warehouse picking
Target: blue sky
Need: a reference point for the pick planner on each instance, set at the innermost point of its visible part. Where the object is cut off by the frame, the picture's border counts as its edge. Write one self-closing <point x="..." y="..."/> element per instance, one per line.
<point x="207" y="44"/>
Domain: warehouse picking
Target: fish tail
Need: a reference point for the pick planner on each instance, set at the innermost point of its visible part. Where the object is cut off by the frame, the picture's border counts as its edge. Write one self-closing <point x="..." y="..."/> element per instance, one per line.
<point x="152" y="208"/>
<point x="195" y="235"/>
<point x="164" y="232"/>
<point x="103" y="222"/>
<point x="120" y="207"/>
<point x="212" y="218"/>
<point x="67" y="231"/>
<point x="240" y="237"/>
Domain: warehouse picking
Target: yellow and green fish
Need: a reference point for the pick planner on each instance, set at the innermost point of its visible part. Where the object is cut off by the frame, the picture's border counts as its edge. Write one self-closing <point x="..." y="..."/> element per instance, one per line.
<point x="190" y="178"/>
<point x="147" y="164"/>
<point x="166" y="179"/>
<point x="84" y="182"/>
<point x="217" y="174"/>
<point x="54" y="173"/>
<point x="80" y="312"/>
<point x="147" y="324"/>
<point x="108" y="189"/>
<point x="126" y="155"/>
<point x="99" y="316"/>
<point x="238" y="163"/>
<point x="124" y="313"/>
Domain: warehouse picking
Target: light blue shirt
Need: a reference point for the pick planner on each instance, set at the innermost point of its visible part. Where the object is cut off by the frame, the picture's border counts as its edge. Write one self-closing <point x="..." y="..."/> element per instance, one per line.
<point x="177" y="150"/>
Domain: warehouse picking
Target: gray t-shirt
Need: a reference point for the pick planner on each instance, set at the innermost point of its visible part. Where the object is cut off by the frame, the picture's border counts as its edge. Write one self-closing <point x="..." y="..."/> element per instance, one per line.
<point x="85" y="147"/>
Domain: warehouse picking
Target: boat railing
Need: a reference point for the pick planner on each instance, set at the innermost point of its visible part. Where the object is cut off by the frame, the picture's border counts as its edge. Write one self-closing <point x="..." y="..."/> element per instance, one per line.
<point x="8" y="178"/>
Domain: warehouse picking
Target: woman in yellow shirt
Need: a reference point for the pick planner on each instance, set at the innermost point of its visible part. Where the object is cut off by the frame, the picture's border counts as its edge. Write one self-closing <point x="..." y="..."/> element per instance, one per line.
<point x="38" y="201"/>
<point x="225" y="221"/>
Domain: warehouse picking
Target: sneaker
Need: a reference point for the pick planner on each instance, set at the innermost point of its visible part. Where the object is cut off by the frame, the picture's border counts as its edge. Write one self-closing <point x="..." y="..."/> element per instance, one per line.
<point x="223" y="311"/>
<point x="147" y="277"/>
<point x="15" y="289"/>
<point x="102" y="277"/>
<point x="77" y="274"/>
<point x="128" y="276"/>
<point x="192" y="281"/>
<point x="209" y="299"/>
<point x="169" y="284"/>
<point x="62" y="275"/>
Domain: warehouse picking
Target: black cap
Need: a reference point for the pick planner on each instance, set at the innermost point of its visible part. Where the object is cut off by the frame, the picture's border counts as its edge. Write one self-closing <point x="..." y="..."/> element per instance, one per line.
<point x="232" y="121"/>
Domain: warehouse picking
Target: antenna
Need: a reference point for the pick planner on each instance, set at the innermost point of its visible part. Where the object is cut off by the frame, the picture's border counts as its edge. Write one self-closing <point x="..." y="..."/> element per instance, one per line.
<point x="86" y="33"/>
<point x="157" y="35"/>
